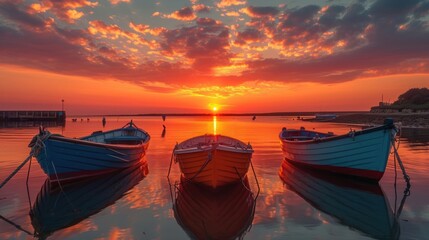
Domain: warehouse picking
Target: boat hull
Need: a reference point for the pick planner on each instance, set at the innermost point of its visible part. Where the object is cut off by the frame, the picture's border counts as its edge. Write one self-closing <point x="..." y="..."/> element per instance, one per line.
<point x="58" y="207"/>
<point x="357" y="204"/>
<point x="64" y="159"/>
<point x="224" y="213"/>
<point x="214" y="167"/>
<point x="363" y="154"/>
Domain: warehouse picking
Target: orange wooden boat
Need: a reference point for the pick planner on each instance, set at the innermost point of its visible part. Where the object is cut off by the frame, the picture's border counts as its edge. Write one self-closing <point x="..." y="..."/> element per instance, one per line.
<point x="213" y="160"/>
<point x="224" y="213"/>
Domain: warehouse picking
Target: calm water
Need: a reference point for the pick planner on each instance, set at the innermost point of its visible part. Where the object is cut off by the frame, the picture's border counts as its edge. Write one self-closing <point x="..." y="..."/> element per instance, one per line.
<point x="130" y="206"/>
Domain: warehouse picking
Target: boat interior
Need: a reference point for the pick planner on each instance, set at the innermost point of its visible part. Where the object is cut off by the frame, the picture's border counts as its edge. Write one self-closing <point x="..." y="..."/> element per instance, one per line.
<point x="302" y="134"/>
<point x="128" y="136"/>
<point x="210" y="139"/>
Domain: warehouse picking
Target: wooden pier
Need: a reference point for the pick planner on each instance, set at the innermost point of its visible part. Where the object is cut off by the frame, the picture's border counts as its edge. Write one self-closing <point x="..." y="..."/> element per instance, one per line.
<point x="56" y="116"/>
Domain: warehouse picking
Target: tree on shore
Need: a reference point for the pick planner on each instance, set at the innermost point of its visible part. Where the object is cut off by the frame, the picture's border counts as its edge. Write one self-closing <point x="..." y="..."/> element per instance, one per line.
<point x="413" y="97"/>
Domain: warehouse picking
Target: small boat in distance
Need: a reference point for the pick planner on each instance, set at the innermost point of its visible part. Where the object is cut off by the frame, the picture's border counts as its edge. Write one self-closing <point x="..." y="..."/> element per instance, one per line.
<point x="361" y="154"/>
<point x="213" y="160"/>
<point x="321" y="118"/>
<point x="63" y="158"/>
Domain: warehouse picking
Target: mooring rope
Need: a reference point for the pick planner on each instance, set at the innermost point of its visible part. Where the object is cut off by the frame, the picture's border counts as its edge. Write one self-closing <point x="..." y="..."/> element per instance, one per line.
<point x="209" y="159"/>
<point x="407" y="178"/>
<point x="16" y="225"/>
<point x="36" y="147"/>
<point x="171" y="162"/>
<point x="401" y="165"/>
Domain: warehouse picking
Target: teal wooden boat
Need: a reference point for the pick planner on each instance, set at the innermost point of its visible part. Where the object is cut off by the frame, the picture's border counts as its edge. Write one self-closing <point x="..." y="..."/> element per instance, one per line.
<point x="361" y="154"/>
<point x="63" y="158"/>
<point x="357" y="204"/>
<point x="58" y="207"/>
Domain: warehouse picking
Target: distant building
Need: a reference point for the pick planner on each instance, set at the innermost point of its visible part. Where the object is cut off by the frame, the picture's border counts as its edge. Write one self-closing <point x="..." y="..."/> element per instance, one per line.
<point x="384" y="104"/>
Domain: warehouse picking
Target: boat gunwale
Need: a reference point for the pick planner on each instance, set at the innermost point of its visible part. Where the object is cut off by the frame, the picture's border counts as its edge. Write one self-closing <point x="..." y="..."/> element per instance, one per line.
<point x="114" y="130"/>
<point x="217" y="145"/>
<point x="335" y="137"/>
<point x="207" y="148"/>
<point x="97" y="144"/>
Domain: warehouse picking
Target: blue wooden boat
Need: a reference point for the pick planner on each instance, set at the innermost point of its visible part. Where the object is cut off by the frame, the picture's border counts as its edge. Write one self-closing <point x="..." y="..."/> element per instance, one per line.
<point x="63" y="158"/>
<point x="58" y="207"/>
<point x="361" y="154"/>
<point x="360" y="205"/>
<point x="222" y="213"/>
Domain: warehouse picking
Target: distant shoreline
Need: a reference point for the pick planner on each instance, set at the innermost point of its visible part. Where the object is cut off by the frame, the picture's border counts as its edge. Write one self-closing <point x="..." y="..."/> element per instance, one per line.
<point x="411" y="120"/>
<point x="223" y="114"/>
<point x="407" y="120"/>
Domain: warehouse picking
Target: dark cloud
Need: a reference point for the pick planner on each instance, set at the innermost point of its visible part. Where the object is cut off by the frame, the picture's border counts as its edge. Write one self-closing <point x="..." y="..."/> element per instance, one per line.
<point x="262" y="11"/>
<point x="422" y="10"/>
<point x="302" y="15"/>
<point x="11" y="11"/>
<point x="248" y="36"/>
<point x="392" y="8"/>
<point x="332" y="16"/>
<point x="206" y="43"/>
<point x="184" y="14"/>
<point x="378" y="39"/>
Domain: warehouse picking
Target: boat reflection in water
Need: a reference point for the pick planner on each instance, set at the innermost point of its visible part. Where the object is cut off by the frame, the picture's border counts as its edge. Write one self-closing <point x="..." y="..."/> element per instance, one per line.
<point x="204" y="213"/>
<point x="62" y="206"/>
<point x="359" y="205"/>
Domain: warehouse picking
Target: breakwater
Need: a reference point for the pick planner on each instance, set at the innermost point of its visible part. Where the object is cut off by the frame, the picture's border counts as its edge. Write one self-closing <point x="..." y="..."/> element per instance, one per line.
<point x="58" y="116"/>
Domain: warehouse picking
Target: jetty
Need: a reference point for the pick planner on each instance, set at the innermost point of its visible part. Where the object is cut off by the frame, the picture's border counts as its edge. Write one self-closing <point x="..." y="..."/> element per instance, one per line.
<point x="17" y="116"/>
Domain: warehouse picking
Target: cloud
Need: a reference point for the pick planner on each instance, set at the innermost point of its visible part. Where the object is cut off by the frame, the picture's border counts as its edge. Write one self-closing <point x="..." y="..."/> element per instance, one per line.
<point x="20" y="17"/>
<point x="311" y="43"/>
<point x="337" y="43"/>
<point x="73" y="14"/>
<point x="114" y="32"/>
<point x="261" y="11"/>
<point x="227" y="3"/>
<point x="218" y="91"/>
<point x="206" y="43"/>
<point x="115" y="2"/>
<point x="201" y="8"/>
<point x="248" y="36"/>
<point x="184" y="14"/>
<point x="63" y="9"/>
<point x="145" y="29"/>
<point x="232" y="14"/>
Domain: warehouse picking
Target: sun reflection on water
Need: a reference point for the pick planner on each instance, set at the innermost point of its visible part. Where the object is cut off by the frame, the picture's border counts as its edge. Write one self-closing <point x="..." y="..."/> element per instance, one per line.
<point x="214" y="124"/>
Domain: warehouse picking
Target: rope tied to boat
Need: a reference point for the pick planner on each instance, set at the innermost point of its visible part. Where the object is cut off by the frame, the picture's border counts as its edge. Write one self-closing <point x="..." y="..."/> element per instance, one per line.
<point x="209" y="159"/>
<point x="401" y="165"/>
<point x="37" y="145"/>
<point x="171" y="161"/>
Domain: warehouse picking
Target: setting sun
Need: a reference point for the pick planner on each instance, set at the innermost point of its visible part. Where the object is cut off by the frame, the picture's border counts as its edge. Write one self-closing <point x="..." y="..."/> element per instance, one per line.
<point x="214" y="107"/>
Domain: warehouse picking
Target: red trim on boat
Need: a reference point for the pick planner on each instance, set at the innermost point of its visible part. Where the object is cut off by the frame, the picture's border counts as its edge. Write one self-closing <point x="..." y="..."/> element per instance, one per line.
<point x="361" y="173"/>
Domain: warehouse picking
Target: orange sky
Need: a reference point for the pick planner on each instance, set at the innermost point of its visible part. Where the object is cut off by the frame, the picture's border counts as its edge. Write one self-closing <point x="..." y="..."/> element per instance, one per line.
<point x="186" y="56"/>
<point x="33" y="89"/>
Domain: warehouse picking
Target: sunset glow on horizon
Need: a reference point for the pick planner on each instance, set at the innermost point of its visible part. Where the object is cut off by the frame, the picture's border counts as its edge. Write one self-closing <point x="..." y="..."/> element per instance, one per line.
<point x="130" y="57"/>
